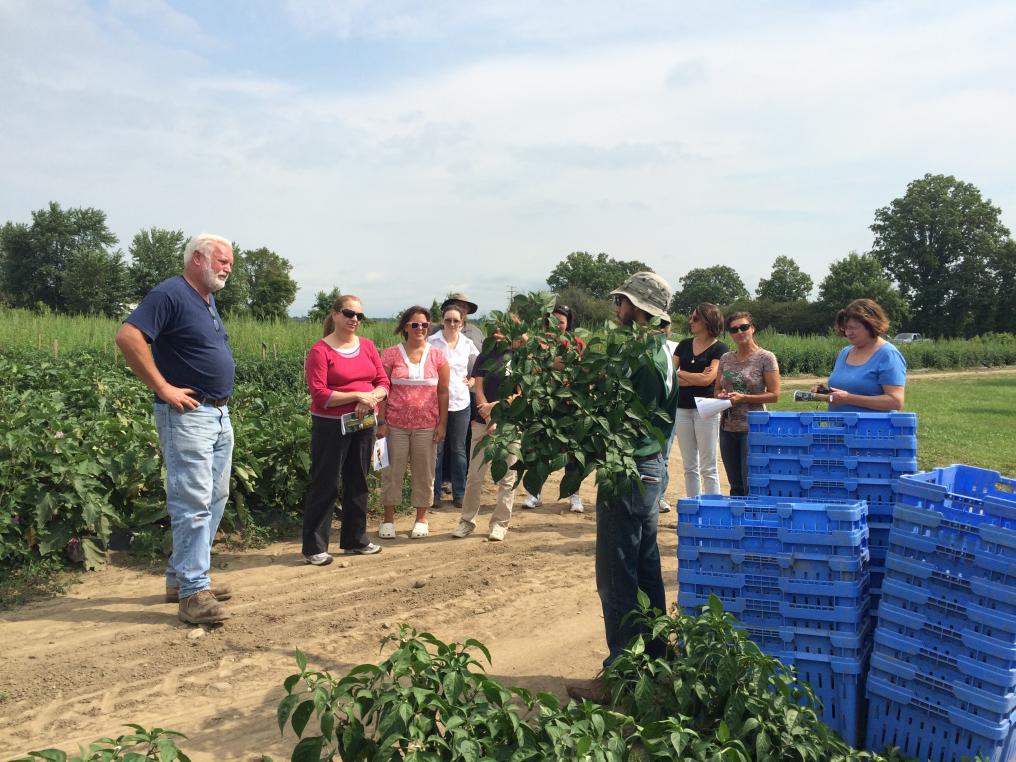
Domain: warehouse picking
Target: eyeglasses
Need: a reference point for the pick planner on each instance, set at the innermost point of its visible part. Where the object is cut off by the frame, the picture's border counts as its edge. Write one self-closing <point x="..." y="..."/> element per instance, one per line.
<point x="416" y="326"/>
<point x="352" y="314"/>
<point x="215" y="318"/>
<point x="619" y="299"/>
<point x="452" y="321"/>
<point x="739" y="328"/>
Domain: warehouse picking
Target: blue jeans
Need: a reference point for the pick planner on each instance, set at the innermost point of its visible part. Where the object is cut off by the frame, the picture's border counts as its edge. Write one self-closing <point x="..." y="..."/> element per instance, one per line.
<point x="455" y="438"/>
<point x="627" y="556"/>
<point x="197" y="449"/>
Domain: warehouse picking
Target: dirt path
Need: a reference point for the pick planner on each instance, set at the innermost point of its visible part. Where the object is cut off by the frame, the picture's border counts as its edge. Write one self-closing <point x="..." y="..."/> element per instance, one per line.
<point x="78" y="667"/>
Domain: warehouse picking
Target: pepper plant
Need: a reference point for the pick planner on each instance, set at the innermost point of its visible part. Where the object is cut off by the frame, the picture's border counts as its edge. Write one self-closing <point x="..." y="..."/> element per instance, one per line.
<point x="563" y="401"/>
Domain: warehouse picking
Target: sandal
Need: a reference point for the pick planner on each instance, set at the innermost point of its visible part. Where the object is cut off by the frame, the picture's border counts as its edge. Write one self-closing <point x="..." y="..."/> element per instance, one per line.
<point x="386" y="531"/>
<point x="420" y="529"/>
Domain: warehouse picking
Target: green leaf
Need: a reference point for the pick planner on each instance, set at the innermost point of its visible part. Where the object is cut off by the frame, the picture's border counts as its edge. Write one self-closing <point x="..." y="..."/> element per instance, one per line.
<point x="308" y="749"/>
<point x="301" y="716"/>
<point x="284" y="709"/>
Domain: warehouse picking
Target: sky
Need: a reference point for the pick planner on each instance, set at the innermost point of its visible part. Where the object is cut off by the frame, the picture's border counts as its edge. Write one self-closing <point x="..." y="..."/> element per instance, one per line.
<point x="400" y="150"/>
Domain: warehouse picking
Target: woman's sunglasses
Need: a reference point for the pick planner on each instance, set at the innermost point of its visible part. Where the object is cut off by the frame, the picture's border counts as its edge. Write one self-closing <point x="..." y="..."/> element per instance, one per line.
<point x="417" y="325"/>
<point x="739" y="328"/>
<point x="353" y="314"/>
<point x="452" y="321"/>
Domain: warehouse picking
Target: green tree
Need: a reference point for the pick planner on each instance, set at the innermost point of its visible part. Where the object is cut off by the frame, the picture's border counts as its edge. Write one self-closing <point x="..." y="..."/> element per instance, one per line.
<point x="597" y="275"/>
<point x="940" y="243"/>
<point x="272" y="290"/>
<point x="323" y="301"/>
<point x="589" y="311"/>
<point x="234" y="299"/>
<point x="1004" y="317"/>
<point x="719" y="284"/>
<point x="787" y="282"/>
<point x="96" y="283"/>
<point x="16" y="263"/>
<point x="156" y="254"/>
<point x="860" y="276"/>
<point x="36" y="267"/>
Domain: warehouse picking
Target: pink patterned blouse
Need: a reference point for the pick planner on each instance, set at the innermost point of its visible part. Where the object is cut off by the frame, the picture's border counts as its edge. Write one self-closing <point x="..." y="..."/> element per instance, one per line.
<point x="412" y="401"/>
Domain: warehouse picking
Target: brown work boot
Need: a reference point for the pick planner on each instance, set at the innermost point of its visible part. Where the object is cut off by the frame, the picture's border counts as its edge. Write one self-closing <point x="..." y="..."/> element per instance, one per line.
<point x="202" y="608"/>
<point x="592" y="691"/>
<point x="221" y="592"/>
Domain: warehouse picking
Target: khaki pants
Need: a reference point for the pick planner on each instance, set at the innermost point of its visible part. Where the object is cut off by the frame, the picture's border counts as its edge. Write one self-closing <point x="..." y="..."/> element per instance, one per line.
<point x="478" y="470"/>
<point x="414" y="448"/>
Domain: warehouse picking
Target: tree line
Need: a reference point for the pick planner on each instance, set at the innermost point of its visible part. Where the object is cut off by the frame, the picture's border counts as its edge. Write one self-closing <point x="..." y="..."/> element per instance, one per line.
<point x="941" y="263"/>
<point x="67" y="260"/>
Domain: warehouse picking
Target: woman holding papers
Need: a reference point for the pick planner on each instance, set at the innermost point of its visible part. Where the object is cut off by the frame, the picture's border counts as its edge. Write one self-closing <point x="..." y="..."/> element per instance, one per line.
<point x="413" y="418"/>
<point x="346" y="384"/>
<point x="748" y="378"/>
<point x="697" y="361"/>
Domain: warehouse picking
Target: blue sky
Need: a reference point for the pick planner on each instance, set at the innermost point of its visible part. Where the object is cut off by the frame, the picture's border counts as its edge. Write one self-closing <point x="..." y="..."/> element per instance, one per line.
<point x="402" y="150"/>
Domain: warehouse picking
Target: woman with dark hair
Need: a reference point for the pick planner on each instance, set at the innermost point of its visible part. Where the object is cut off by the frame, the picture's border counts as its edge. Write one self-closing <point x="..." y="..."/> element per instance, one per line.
<point x="344" y="375"/>
<point x="698" y="361"/>
<point x="749" y="377"/>
<point x="413" y="418"/>
<point x="461" y="353"/>
<point x="870" y="373"/>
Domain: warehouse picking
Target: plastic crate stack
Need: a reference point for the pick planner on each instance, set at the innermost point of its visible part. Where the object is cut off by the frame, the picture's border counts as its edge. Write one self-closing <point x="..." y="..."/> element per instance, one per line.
<point x="845" y="456"/>
<point x="795" y="573"/>
<point x="942" y="683"/>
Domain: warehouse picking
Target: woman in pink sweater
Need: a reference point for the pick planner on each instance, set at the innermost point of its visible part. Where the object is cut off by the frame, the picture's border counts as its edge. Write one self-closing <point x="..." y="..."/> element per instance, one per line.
<point x="344" y="375"/>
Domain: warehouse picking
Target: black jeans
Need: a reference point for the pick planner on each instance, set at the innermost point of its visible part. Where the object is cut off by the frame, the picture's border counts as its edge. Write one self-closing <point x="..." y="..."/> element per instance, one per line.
<point x="332" y="455"/>
<point x="734" y="452"/>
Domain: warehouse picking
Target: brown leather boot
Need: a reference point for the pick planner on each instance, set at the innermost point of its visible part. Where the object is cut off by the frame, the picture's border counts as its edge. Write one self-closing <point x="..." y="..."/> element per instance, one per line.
<point x="202" y="608"/>
<point x="221" y="592"/>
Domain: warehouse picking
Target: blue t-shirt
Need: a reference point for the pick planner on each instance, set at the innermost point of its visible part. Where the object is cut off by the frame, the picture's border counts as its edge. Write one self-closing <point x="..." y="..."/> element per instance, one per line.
<point x="884" y="368"/>
<point x="189" y="342"/>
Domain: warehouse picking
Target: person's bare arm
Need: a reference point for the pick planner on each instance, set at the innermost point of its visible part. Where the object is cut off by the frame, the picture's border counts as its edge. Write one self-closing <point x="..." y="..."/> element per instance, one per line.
<point x="890" y="399"/>
<point x="139" y="358"/>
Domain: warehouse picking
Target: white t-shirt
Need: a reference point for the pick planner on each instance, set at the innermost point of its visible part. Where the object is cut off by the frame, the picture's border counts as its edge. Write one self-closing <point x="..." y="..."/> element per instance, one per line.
<point x="460" y="364"/>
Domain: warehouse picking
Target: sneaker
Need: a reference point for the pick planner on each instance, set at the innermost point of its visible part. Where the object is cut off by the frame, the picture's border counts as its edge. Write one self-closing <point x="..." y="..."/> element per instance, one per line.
<point x="464" y="529"/>
<point x="497" y="533"/>
<point x="446" y="488"/>
<point x="532" y="501"/>
<point x="664" y="506"/>
<point x="318" y="559"/>
<point x="575" y="503"/>
<point x="221" y="593"/>
<point x="202" y="608"/>
<point x="367" y="550"/>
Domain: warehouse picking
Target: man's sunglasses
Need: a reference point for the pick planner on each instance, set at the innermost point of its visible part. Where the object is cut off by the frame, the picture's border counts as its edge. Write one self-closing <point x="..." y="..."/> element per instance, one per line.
<point x="619" y="299"/>
<point x="353" y="314"/>
<point x="739" y="328"/>
<point x="417" y="325"/>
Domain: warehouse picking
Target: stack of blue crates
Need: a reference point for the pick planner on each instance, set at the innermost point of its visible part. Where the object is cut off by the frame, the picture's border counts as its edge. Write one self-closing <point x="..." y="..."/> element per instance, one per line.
<point x="943" y="673"/>
<point x="846" y="456"/>
<point x="795" y="573"/>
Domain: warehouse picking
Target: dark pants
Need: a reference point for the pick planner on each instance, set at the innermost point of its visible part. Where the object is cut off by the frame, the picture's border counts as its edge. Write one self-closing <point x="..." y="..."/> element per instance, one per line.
<point x="332" y="455"/>
<point x="454" y="446"/>
<point x="627" y="556"/>
<point x="734" y="451"/>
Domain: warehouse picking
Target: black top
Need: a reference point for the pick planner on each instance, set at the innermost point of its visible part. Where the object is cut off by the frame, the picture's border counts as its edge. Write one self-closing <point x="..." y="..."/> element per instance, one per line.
<point x="693" y="363"/>
<point x="491" y="367"/>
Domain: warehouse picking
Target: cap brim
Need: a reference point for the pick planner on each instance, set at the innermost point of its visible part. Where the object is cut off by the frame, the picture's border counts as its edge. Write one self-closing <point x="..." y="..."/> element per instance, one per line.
<point x="470" y="307"/>
<point x="644" y="306"/>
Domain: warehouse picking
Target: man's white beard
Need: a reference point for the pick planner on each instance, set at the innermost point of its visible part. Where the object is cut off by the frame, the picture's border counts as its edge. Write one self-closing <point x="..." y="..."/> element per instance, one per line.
<point x="212" y="281"/>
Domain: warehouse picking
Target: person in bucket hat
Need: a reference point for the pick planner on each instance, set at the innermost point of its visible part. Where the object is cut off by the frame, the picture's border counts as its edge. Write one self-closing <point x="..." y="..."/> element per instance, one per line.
<point x="627" y="555"/>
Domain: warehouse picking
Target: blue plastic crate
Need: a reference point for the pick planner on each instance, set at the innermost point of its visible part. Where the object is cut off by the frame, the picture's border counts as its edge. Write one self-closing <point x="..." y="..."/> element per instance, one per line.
<point x="957" y="532"/>
<point x="823" y="468"/>
<point x="833" y="435"/>
<point x="807" y="640"/>
<point x="874" y="492"/>
<point x="839" y="685"/>
<point x="963" y="648"/>
<point x="814" y="566"/>
<point x="780" y="613"/>
<point x="976" y="491"/>
<point x="771" y="526"/>
<point x="925" y="731"/>
<point x="806" y="593"/>
<point x="995" y="592"/>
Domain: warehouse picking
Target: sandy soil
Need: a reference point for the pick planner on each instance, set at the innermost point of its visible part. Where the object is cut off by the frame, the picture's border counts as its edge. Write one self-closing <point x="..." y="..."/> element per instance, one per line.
<point x="78" y="667"/>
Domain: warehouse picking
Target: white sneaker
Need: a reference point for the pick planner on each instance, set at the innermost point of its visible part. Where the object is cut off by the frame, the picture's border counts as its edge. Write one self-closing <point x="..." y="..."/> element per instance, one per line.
<point x="464" y="529"/>
<point x="497" y="533"/>
<point x="532" y="501"/>
<point x="664" y="506"/>
<point x="318" y="559"/>
<point x="576" y="503"/>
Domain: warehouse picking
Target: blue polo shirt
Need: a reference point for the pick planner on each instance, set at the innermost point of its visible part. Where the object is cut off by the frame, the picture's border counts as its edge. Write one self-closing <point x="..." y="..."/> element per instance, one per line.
<point x="189" y="341"/>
